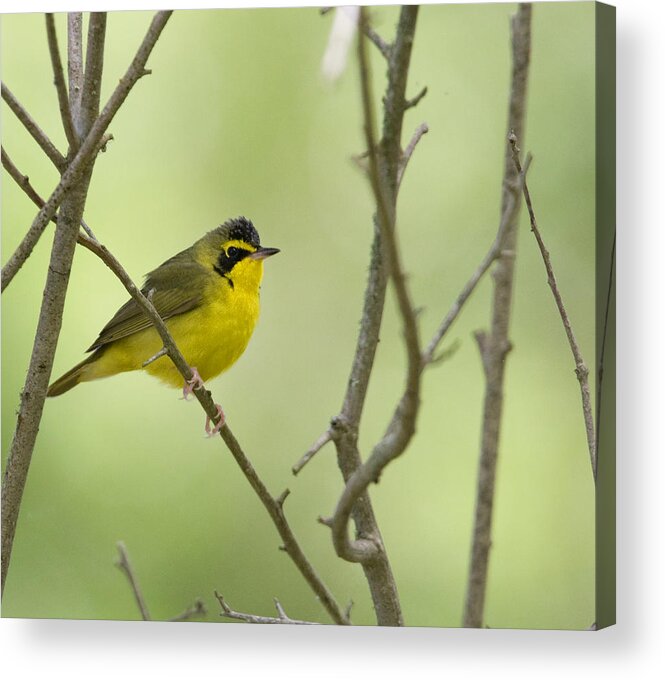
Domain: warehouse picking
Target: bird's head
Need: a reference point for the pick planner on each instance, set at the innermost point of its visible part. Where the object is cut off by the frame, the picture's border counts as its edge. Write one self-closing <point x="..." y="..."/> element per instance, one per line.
<point x="234" y="252"/>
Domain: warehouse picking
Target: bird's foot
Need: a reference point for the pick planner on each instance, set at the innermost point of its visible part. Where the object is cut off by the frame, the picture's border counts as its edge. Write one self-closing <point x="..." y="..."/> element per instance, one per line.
<point x="212" y="431"/>
<point x="194" y="383"/>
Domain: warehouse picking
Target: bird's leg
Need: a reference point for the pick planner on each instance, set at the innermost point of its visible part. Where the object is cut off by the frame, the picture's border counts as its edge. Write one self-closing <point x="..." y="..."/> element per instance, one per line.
<point x="212" y="431"/>
<point x="194" y="383"/>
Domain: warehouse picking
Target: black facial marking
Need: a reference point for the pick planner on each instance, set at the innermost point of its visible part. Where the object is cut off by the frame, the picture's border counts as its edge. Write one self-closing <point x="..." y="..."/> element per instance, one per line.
<point x="228" y="259"/>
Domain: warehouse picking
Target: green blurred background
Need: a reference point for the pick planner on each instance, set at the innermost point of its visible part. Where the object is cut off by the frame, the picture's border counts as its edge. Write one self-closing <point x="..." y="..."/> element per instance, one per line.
<point x="237" y="119"/>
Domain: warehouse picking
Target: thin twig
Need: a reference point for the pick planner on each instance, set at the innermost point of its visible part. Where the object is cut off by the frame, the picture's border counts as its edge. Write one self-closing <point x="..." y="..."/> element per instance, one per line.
<point x="414" y="101"/>
<point x="421" y="130"/>
<point x="60" y="86"/>
<point x="24" y="183"/>
<point x="581" y="369"/>
<point x="125" y="566"/>
<point x="281" y="617"/>
<point x="35" y="131"/>
<point x="196" y="610"/>
<point x="75" y="62"/>
<point x="86" y="153"/>
<point x="162" y="352"/>
<point x="495" y="345"/>
<point x="312" y="451"/>
<point x="492" y="254"/>
<point x="384" y="47"/>
<point x="22" y="180"/>
<point x="601" y="360"/>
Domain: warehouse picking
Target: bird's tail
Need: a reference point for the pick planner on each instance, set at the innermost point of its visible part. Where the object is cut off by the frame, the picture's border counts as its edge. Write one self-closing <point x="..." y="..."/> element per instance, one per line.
<point x="70" y="379"/>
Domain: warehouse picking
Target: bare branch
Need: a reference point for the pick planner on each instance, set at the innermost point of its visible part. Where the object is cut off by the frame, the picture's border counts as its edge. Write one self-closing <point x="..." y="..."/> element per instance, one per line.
<point x="197" y="609"/>
<point x="75" y="62"/>
<point x="386" y="156"/>
<point x="86" y="153"/>
<point x="125" y="566"/>
<point x="59" y="81"/>
<point x="421" y="130"/>
<point x="254" y="618"/>
<point x="402" y="425"/>
<point x="581" y="370"/>
<point x="22" y="180"/>
<point x="71" y="192"/>
<point x="496" y="344"/>
<point x="24" y="183"/>
<point x="384" y="47"/>
<point x="162" y="352"/>
<point x="601" y="359"/>
<point x="282" y="497"/>
<point x="94" y="64"/>
<point x="410" y="103"/>
<point x="35" y="131"/>
<point x="492" y="254"/>
<point x="313" y="450"/>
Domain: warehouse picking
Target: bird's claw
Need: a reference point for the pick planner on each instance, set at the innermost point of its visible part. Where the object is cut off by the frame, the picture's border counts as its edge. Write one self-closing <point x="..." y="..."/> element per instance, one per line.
<point x="194" y="383"/>
<point x="212" y="431"/>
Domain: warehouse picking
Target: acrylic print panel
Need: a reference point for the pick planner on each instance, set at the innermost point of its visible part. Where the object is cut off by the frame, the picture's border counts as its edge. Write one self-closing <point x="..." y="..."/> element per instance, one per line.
<point x="237" y="118"/>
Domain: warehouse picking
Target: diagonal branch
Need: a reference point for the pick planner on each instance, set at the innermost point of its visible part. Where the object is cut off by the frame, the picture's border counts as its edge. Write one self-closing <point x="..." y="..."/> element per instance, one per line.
<point x="493" y="253"/>
<point x="581" y="369"/>
<point x="22" y="180"/>
<point x="35" y="131"/>
<point x="125" y="566"/>
<point x="123" y="563"/>
<point x="59" y="81"/>
<point x="87" y="151"/>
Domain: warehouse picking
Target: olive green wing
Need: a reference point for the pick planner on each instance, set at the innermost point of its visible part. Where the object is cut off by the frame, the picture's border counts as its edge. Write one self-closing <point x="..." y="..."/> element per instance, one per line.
<point x="177" y="288"/>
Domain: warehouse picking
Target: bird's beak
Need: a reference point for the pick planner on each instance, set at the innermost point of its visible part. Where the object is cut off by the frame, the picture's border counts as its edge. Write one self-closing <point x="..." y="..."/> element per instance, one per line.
<point x="262" y="253"/>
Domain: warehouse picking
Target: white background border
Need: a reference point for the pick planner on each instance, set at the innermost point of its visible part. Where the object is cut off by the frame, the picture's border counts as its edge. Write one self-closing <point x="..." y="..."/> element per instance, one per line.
<point x="635" y="647"/>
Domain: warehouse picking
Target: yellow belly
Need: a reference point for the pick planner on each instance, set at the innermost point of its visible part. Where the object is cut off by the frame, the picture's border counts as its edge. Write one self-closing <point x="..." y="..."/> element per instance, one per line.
<point x="211" y="337"/>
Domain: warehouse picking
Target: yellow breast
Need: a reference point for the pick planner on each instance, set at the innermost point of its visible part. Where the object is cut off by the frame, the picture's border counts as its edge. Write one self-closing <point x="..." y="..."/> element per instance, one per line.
<point x="211" y="337"/>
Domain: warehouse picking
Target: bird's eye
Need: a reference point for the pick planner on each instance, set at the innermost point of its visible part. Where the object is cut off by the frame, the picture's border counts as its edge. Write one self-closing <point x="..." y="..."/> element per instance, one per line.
<point x="233" y="253"/>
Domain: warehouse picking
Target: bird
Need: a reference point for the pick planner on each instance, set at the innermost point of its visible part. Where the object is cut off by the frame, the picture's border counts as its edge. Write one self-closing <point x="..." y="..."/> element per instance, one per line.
<point x="208" y="297"/>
